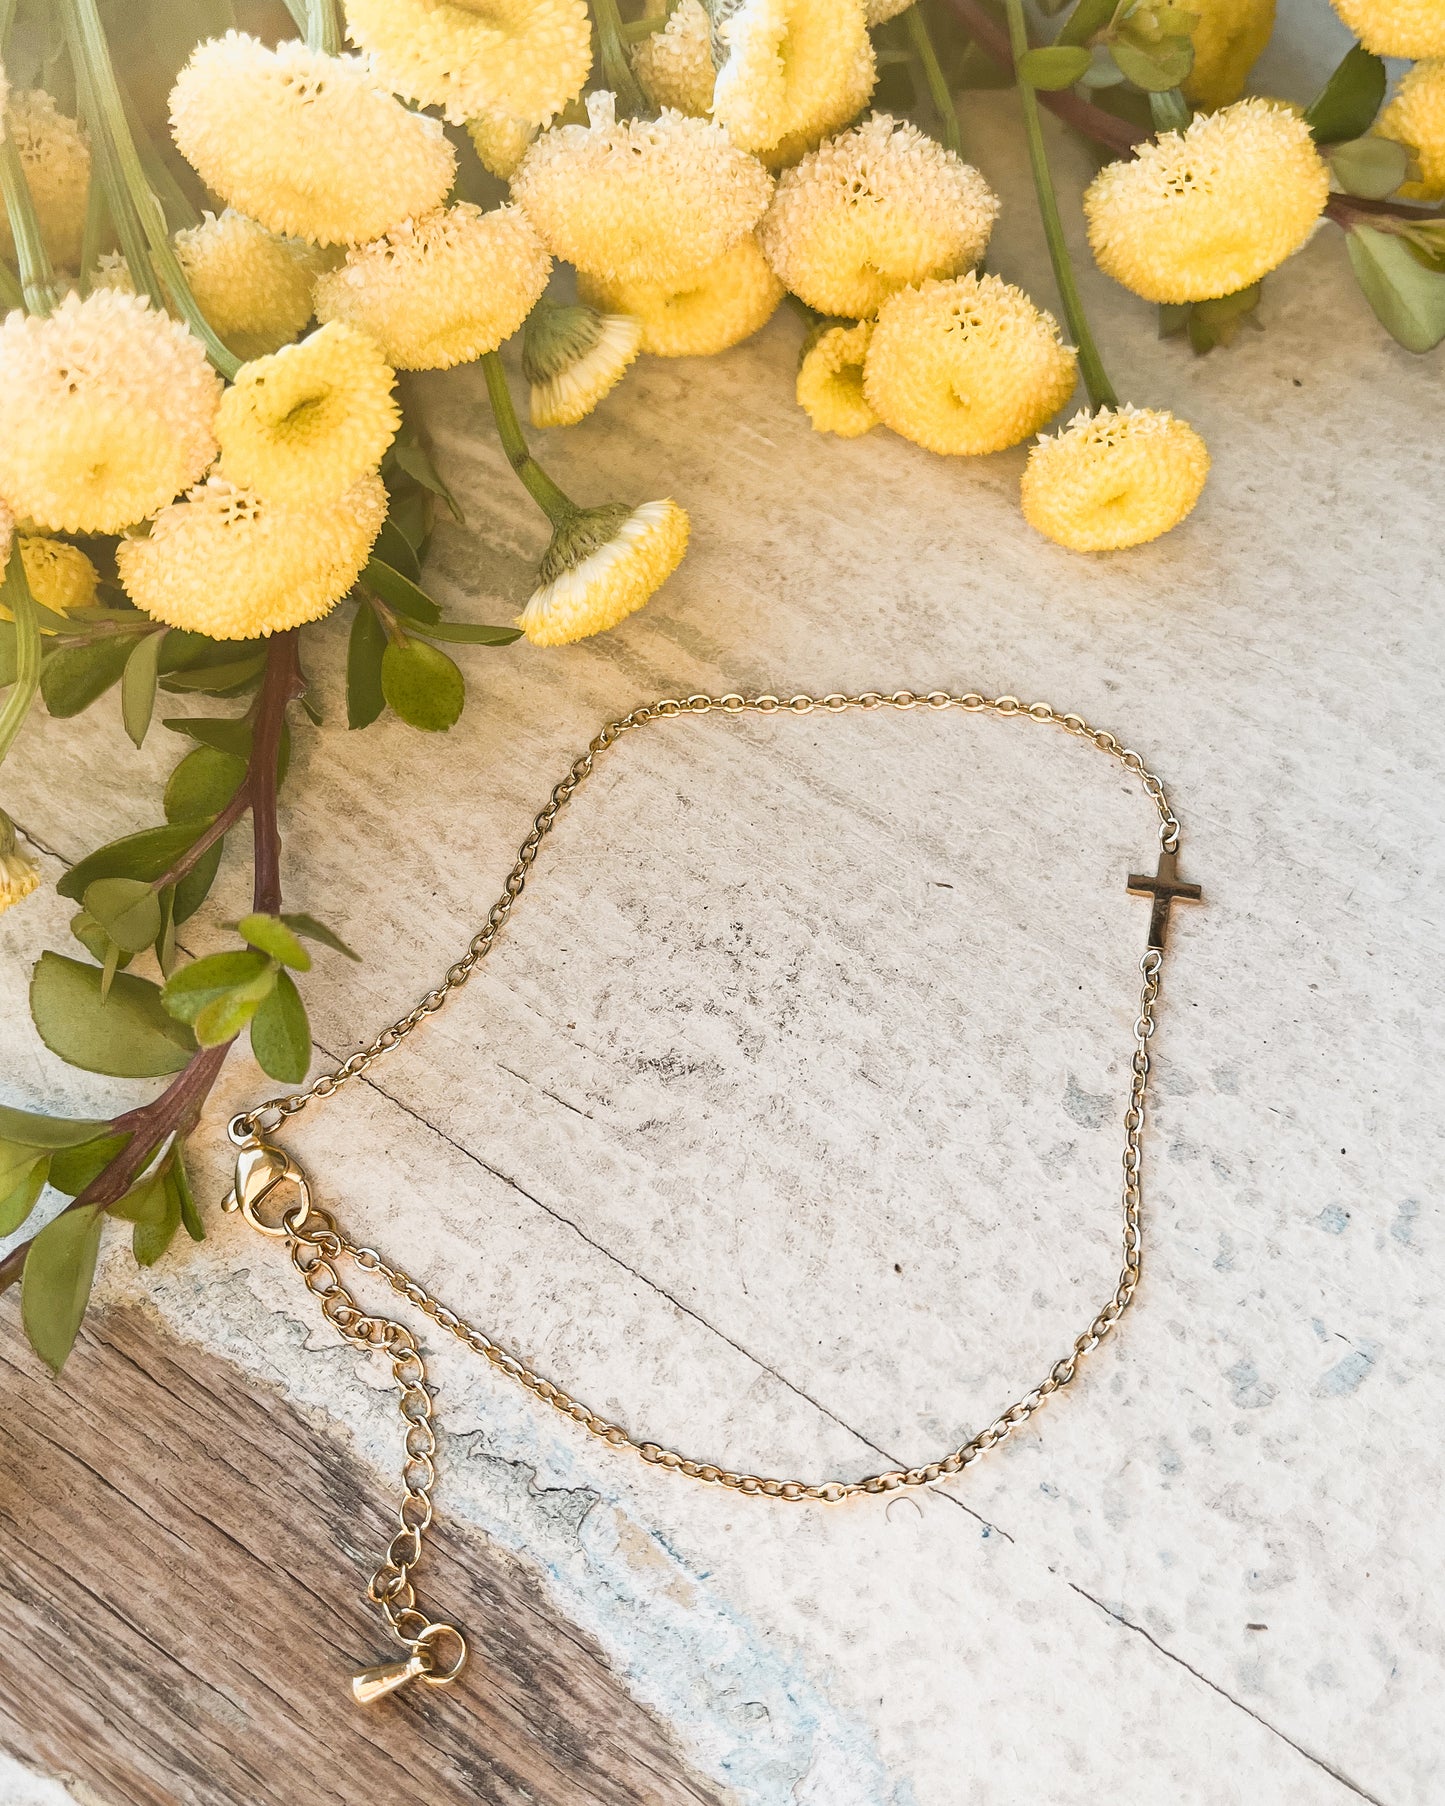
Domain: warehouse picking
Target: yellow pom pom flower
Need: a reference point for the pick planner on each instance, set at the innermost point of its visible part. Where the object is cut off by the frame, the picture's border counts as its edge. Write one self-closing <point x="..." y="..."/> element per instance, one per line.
<point x="969" y="365"/>
<point x="60" y="575"/>
<point x="107" y="410"/>
<point x="526" y="58"/>
<point x="830" y="380"/>
<point x="1414" y="28"/>
<point x="674" y="65"/>
<point x="640" y="200"/>
<point x="1209" y="210"/>
<point x="19" y="873"/>
<point x="572" y="357"/>
<point x="1416" y="116"/>
<point x="697" y="315"/>
<point x="55" y="157"/>
<point x="1228" y="40"/>
<point x="871" y="211"/>
<point x="501" y="142"/>
<point x="794" y="71"/>
<point x="304" y="423"/>
<point x="601" y="567"/>
<point x="440" y="290"/>
<point x="306" y="143"/>
<point x="226" y="563"/>
<point x="1118" y="477"/>
<point x="253" y="288"/>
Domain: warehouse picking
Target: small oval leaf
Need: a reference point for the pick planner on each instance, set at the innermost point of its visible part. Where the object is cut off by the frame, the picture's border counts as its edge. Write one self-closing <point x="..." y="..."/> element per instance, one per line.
<point x="55" y="1289"/>
<point x="422" y="685"/>
<point x="128" y="1035"/>
<point x="281" y="1034"/>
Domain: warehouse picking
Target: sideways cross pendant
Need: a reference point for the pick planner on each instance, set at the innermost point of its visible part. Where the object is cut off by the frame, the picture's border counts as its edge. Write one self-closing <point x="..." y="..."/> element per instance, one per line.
<point x="1166" y="887"/>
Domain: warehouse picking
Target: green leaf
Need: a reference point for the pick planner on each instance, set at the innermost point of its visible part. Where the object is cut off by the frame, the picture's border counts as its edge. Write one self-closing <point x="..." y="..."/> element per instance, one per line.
<point x="224" y="1019"/>
<point x="202" y="784"/>
<point x="16" y="1161"/>
<point x="399" y="592"/>
<point x="72" y="677"/>
<point x="281" y="1035"/>
<point x="128" y="1035"/>
<point x="218" y="680"/>
<point x="17" y="1203"/>
<point x="1370" y="167"/>
<point x="1347" y="104"/>
<point x="32" y="1130"/>
<point x="364" y="700"/>
<point x="272" y="936"/>
<point x="394" y="548"/>
<point x="59" y="1272"/>
<point x="1159" y="66"/>
<point x="155" y="1211"/>
<point x="1088" y="17"/>
<point x="1169" y="110"/>
<point x="312" y="930"/>
<point x="181" y="1181"/>
<point x="1055" y="66"/>
<point x="195" y="887"/>
<point x="72" y="1169"/>
<point x="145" y="855"/>
<point x="422" y="685"/>
<point x="203" y="981"/>
<point x="411" y="515"/>
<point x="138" y="686"/>
<point x="94" y="939"/>
<point x="225" y="735"/>
<point x="1408" y="299"/>
<point x="470" y="633"/>
<point x="127" y="909"/>
<point x="409" y="454"/>
<point x="1217" y="321"/>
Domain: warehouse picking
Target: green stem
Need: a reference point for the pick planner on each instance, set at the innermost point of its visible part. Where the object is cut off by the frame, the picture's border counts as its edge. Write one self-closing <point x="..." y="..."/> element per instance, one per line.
<point x="16" y="591"/>
<point x="323" y="28"/>
<point x="174" y="200"/>
<point x="37" y="279"/>
<point x="616" y="64"/>
<point x="921" y="40"/>
<point x="554" y="503"/>
<point x="1091" y="365"/>
<point x="1087" y="19"/>
<point x="10" y="292"/>
<point x="97" y="217"/>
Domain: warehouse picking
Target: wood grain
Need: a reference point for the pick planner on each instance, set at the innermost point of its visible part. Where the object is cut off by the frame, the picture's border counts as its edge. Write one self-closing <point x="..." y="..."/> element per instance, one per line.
<point x="182" y="1623"/>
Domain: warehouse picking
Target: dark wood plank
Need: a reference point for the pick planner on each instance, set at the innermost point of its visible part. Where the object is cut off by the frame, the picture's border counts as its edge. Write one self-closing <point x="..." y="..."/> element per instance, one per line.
<point x="181" y="1621"/>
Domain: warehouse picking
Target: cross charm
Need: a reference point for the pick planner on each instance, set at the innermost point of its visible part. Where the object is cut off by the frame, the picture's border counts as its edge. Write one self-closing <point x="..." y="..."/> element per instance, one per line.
<point x="1166" y="888"/>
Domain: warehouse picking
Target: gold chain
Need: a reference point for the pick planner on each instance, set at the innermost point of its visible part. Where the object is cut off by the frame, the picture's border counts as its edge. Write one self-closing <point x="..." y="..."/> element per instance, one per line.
<point x="437" y="1650"/>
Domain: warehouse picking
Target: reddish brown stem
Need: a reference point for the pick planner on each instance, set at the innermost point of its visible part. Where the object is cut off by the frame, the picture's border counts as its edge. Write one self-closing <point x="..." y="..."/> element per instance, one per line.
<point x="1348" y="210"/>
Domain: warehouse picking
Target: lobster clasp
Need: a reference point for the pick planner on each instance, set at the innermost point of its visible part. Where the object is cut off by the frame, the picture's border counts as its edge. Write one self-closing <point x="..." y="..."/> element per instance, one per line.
<point x="262" y="1170"/>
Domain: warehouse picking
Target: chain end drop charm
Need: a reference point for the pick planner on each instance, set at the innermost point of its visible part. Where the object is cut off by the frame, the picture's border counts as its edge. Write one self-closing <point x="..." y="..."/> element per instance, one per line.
<point x="373" y="1684"/>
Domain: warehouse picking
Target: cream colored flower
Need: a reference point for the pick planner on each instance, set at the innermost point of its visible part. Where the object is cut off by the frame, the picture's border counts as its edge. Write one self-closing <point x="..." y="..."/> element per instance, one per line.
<point x="304" y="423"/>
<point x="572" y="357"/>
<point x="969" y="365"/>
<point x="1227" y="42"/>
<point x="1413" y="28"/>
<point x="253" y="287"/>
<point x="871" y="211"/>
<point x="1118" y="477"/>
<point x="307" y="144"/>
<point x="441" y="290"/>
<point x="55" y="157"/>
<point x="107" y="410"/>
<point x="640" y="200"/>
<point x="697" y="315"/>
<point x="19" y="873"/>
<point x="601" y="567"/>
<point x="524" y="58"/>
<point x="223" y="562"/>
<point x="830" y="380"/>
<point x="501" y="142"/>
<point x="60" y="575"/>
<point x="1209" y="210"/>
<point x="794" y="71"/>
<point x="1416" y="116"/>
<point x="674" y="65"/>
<point x="880" y="11"/>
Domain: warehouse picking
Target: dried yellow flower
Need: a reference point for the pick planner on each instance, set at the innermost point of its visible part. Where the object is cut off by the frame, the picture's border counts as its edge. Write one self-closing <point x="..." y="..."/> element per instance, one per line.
<point x="697" y="315"/>
<point x="1118" y="477"/>
<point x="601" y="567"/>
<point x="60" y="575"/>
<point x="440" y="290"/>
<point x="501" y="142"/>
<point x="969" y="365"/>
<point x="226" y="563"/>
<point x="794" y="71"/>
<point x="1413" y="28"/>
<point x="107" y="410"/>
<point x="307" y="144"/>
<point x="640" y="200"/>
<point x="55" y="156"/>
<point x="572" y="357"/>
<point x="830" y="380"/>
<point x="674" y="65"/>
<point x="524" y="58"/>
<point x="871" y="211"/>
<point x="1227" y="42"/>
<point x="1416" y="116"/>
<point x="1209" y="210"/>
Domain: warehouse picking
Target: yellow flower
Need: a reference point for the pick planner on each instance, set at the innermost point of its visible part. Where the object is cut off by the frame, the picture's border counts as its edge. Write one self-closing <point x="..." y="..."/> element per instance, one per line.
<point x="306" y="143"/>
<point x="55" y="156"/>
<point x="601" y="567"/>
<point x="107" y="410"/>
<point x="1209" y="210"/>
<point x="871" y="211"/>
<point x="1116" y="478"/>
<point x="572" y="357"/>
<point x="640" y="200"/>
<point x="830" y="381"/>
<point x="1227" y="41"/>
<point x="880" y="11"/>
<point x="304" y="423"/>
<point x="1414" y="28"/>
<point x="674" y="65"/>
<point x="60" y="575"/>
<point x="794" y="71"/>
<point x="501" y="142"/>
<point x="966" y="366"/>
<point x="696" y="315"/>
<point x="226" y="563"/>
<point x="525" y="58"/>
<point x="440" y="290"/>
<point x="253" y="287"/>
<point x="19" y="873"/>
<point x="1416" y="116"/>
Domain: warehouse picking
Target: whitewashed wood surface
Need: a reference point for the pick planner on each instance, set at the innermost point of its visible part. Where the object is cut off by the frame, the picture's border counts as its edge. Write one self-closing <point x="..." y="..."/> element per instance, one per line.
<point x="784" y="1123"/>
